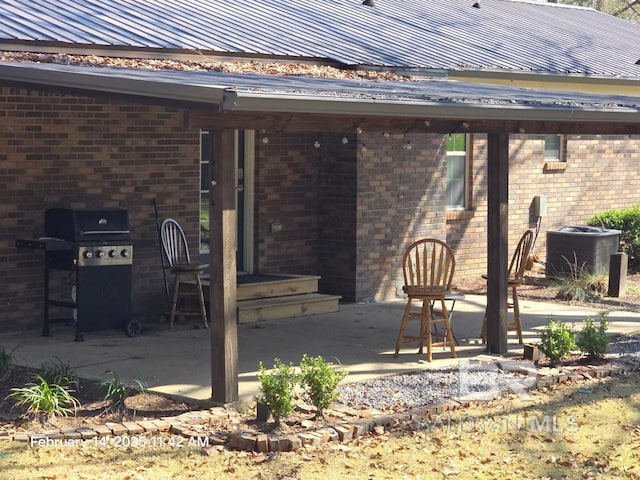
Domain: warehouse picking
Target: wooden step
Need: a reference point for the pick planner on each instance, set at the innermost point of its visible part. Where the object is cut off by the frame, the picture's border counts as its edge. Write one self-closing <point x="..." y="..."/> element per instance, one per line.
<point x="276" y="286"/>
<point x="272" y="308"/>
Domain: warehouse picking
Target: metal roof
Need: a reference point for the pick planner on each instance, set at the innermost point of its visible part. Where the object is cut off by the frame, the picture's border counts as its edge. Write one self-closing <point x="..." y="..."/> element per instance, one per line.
<point x="444" y="99"/>
<point x="439" y="34"/>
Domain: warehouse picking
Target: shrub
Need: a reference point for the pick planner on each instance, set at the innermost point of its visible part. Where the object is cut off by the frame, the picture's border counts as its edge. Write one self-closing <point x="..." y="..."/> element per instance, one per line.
<point x="556" y="341"/>
<point x="45" y="400"/>
<point x="627" y="220"/>
<point x="277" y="389"/>
<point x="59" y="373"/>
<point x="320" y="382"/>
<point x="117" y="392"/>
<point x="593" y="339"/>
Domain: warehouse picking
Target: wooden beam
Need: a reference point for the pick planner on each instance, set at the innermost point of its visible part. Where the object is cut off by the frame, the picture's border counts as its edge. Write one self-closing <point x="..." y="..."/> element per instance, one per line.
<point x="222" y="267"/>
<point x="497" y="244"/>
<point x="286" y="122"/>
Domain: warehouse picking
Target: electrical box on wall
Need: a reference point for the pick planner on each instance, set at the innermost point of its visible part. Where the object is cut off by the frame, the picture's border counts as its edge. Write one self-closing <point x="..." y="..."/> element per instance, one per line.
<point x="539" y="206"/>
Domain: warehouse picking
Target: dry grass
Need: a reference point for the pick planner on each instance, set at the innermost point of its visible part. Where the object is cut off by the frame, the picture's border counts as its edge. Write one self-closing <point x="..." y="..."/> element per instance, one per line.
<point x="572" y="431"/>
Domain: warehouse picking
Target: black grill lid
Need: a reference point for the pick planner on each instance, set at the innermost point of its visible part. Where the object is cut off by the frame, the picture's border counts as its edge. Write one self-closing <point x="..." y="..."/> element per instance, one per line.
<point x="77" y="225"/>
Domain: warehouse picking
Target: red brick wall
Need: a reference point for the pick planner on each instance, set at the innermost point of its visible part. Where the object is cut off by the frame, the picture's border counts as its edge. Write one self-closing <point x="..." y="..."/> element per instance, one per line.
<point x="601" y="172"/>
<point x="70" y="151"/>
<point x="286" y="195"/>
<point x="338" y="196"/>
<point x="401" y="185"/>
<point x="347" y="212"/>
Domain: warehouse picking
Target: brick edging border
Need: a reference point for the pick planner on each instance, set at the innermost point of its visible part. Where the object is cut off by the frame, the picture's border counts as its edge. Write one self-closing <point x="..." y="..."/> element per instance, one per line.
<point x="192" y="426"/>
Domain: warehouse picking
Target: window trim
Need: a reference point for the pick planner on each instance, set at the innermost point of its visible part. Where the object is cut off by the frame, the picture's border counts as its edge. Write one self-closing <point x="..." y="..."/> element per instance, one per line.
<point x="467" y="173"/>
<point x="559" y="164"/>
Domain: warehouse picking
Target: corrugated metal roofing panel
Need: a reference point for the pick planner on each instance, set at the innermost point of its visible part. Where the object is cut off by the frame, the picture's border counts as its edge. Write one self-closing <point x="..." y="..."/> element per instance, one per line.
<point x="447" y="34"/>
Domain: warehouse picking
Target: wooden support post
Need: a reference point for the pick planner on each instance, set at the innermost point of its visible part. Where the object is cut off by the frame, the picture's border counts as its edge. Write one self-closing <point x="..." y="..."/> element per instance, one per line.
<point x="223" y="322"/>
<point x="618" y="263"/>
<point x="497" y="241"/>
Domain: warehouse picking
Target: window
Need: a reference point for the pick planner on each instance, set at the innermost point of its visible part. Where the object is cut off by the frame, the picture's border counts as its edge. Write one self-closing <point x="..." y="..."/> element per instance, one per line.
<point x="553" y="148"/>
<point x="457" y="164"/>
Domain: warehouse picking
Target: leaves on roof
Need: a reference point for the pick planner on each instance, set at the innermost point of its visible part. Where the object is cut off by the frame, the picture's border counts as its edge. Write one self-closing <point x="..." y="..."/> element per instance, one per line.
<point x="247" y="67"/>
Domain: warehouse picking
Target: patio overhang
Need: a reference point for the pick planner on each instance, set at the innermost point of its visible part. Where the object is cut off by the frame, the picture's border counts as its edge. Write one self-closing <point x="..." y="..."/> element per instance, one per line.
<point x="231" y="101"/>
<point x="303" y="103"/>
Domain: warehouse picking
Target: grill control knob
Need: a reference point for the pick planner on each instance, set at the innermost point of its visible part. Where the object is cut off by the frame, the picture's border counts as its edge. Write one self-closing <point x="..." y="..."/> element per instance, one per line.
<point x="124" y="253"/>
<point x="100" y="254"/>
<point x="112" y="253"/>
<point x="87" y="254"/>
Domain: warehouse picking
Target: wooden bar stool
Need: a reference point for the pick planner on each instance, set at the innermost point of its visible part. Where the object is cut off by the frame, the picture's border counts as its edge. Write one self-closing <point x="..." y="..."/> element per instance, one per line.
<point x="428" y="267"/>
<point x="186" y="274"/>
<point x="517" y="268"/>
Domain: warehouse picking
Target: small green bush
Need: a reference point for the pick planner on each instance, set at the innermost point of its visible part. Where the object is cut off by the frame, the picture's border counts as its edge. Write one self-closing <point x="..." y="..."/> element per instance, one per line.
<point x="627" y="220"/>
<point x="117" y="392"/>
<point x="320" y="382"/>
<point x="277" y="389"/>
<point x="556" y="341"/>
<point x="593" y="339"/>
<point x="45" y="400"/>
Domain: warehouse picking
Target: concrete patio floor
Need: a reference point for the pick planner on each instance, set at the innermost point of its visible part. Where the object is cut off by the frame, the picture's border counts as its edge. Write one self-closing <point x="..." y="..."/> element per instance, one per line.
<point x="360" y="337"/>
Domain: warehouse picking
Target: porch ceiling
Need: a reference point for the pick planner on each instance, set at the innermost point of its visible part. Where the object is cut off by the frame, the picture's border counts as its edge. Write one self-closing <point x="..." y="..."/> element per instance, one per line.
<point x="309" y="104"/>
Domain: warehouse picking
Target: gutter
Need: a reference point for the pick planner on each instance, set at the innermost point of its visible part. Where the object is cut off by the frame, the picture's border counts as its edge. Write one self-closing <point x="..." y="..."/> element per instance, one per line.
<point x="331" y="105"/>
<point x="358" y="103"/>
<point x="128" y="83"/>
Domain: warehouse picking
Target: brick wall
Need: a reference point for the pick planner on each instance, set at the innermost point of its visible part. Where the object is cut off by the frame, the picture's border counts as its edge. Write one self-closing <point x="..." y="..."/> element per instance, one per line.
<point x="68" y="151"/>
<point x="347" y="209"/>
<point x="601" y="172"/>
<point x="401" y="198"/>
<point x="338" y="196"/>
<point x="287" y="196"/>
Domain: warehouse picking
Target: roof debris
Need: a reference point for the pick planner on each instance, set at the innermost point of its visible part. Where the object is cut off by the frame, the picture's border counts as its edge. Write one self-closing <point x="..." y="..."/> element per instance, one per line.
<point x="248" y="67"/>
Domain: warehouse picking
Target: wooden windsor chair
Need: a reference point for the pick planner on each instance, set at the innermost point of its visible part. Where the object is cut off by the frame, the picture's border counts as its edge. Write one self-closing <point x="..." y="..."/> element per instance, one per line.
<point x="428" y="266"/>
<point x="517" y="268"/>
<point x="186" y="274"/>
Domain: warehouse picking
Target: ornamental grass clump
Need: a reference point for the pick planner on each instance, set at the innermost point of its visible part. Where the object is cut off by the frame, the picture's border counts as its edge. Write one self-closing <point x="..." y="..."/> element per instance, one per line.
<point x="118" y="392"/>
<point x="59" y="373"/>
<point x="320" y="382"/>
<point x="6" y="360"/>
<point x="44" y="400"/>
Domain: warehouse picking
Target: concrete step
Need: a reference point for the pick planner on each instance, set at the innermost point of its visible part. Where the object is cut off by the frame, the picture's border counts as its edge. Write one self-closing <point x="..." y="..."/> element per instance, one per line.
<point x="272" y="308"/>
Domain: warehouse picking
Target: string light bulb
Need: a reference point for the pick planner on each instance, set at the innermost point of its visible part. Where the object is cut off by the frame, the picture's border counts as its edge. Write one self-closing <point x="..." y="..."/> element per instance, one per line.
<point x="345" y="140"/>
<point x="316" y="144"/>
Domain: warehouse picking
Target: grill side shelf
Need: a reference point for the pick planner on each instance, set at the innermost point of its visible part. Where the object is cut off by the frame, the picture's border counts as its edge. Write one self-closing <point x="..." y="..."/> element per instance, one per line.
<point x="46" y="244"/>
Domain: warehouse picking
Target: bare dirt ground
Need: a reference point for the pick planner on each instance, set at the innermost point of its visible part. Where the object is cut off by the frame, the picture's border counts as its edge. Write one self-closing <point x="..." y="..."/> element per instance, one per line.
<point x="538" y="287"/>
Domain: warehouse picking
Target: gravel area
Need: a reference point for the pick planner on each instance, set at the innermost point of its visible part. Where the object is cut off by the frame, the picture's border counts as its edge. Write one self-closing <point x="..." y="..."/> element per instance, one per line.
<point x="625" y="345"/>
<point x="473" y="379"/>
<point x="469" y="379"/>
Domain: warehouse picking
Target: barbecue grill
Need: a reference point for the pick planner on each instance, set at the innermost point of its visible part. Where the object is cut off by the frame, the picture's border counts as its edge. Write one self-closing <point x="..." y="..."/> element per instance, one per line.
<point x="96" y="247"/>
